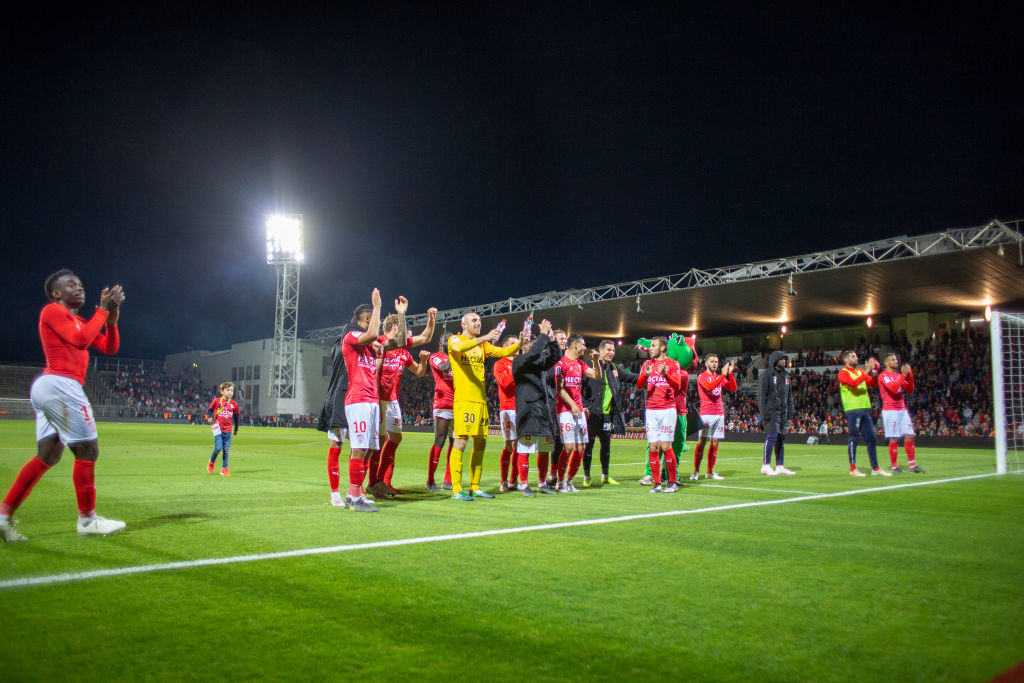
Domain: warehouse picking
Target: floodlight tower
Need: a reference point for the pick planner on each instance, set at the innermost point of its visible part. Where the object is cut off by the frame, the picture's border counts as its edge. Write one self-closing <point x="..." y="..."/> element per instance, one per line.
<point x="284" y="250"/>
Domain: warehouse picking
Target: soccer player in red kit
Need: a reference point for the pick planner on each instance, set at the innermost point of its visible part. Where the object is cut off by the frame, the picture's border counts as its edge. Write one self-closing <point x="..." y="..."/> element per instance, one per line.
<point x="63" y="413"/>
<point x="225" y="417"/>
<point x="507" y="415"/>
<point x="662" y="377"/>
<point x="569" y="372"/>
<point x="710" y="385"/>
<point x="362" y="410"/>
<point x="389" y="383"/>
<point x="444" y="402"/>
<point x="892" y="385"/>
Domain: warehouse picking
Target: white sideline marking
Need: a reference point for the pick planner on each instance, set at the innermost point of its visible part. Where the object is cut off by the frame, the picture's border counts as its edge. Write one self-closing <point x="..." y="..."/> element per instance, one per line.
<point x="755" y="488"/>
<point x="309" y="443"/>
<point x="210" y="562"/>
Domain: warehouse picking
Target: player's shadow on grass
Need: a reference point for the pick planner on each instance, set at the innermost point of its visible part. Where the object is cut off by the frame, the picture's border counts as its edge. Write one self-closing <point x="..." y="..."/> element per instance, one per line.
<point x="163" y="520"/>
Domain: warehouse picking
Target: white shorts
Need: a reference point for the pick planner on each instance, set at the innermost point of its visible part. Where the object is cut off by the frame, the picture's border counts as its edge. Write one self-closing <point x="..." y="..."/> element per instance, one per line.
<point x="508" y="425"/>
<point x="337" y="435"/>
<point x="444" y="413"/>
<point x="573" y="429"/>
<point x="392" y="411"/>
<point x="62" y="408"/>
<point x="714" y="426"/>
<point x="661" y="425"/>
<point x="363" y="419"/>
<point x="533" y="444"/>
<point x="897" y="423"/>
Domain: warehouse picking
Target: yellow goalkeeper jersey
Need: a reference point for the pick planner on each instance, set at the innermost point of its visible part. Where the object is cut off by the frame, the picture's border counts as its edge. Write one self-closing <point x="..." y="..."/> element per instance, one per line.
<point x="468" y="365"/>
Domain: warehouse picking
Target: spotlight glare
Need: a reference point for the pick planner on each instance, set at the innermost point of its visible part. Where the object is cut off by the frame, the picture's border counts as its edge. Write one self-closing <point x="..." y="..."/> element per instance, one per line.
<point x="869" y="322"/>
<point x="284" y="238"/>
<point x="988" y="314"/>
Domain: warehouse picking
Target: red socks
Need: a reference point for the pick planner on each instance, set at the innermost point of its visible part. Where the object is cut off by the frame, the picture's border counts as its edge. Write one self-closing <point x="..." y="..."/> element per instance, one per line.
<point x="374" y="466"/>
<point x="908" y="446"/>
<point x="506" y="460"/>
<point x="670" y="463"/>
<point x="31" y="472"/>
<point x="894" y="450"/>
<point x="563" y="464"/>
<point x="432" y="461"/>
<point x="334" y="468"/>
<point x="387" y="462"/>
<point x="542" y="467"/>
<point x="652" y="457"/>
<point x="448" y="466"/>
<point x="84" y="477"/>
<point x="712" y="457"/>
<point x="356" y="475"/>
<point x="698" y="455"/>
<point x="574" y="464"/>
<point x="524" y="467"/>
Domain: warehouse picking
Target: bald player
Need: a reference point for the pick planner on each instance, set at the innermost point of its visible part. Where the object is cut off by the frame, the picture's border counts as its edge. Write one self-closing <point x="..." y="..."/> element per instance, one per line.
<point x="467" y="352"/>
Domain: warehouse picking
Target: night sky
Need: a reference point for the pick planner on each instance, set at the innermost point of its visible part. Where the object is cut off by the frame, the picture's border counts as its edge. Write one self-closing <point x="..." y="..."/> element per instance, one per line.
<point x="464" y="157"/>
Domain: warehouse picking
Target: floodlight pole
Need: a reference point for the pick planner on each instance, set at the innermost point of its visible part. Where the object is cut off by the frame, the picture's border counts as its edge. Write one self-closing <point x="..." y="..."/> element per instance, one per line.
<point x="286" y="318"/>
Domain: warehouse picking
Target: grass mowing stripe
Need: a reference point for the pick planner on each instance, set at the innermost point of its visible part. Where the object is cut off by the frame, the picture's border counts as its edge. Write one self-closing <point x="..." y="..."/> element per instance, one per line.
<point x="755" y="488"/>
<point x="189" y="564"/>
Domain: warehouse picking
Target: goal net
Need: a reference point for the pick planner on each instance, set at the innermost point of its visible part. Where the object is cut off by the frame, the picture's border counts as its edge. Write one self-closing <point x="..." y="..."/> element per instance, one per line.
<point x="1008" y="390"/>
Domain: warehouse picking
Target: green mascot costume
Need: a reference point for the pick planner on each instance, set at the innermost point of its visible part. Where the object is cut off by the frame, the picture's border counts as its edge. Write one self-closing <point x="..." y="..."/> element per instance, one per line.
<point x="683" y="351"/>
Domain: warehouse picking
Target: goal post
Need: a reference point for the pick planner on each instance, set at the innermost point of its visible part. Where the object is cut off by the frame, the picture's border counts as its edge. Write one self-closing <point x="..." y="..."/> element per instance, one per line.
<point x="1007" y="337"/>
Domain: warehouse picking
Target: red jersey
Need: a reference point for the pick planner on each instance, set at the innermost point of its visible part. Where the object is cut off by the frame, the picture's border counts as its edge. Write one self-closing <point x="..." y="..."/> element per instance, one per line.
<point x="395" y="361"/>
<point x="709" y="389"/>
<point x="66" y="339"/>
<point x="681" y="394"/>
<point x="506" y="385"/>
<point x="224" y="411"/>
<point x="361" y="363"/>
<point x="661" y="391"/>
<point x="892" y="386"/>
<point x="571" y="371"/>
<point x="444" y="389"/>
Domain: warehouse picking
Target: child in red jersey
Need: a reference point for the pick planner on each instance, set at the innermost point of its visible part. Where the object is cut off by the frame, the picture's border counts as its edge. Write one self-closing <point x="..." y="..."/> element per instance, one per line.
<point x="225" y="416"/>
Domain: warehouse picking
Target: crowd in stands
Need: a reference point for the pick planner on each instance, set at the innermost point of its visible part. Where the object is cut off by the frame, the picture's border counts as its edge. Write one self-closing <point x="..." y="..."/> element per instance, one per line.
<point x="953" y="395"/>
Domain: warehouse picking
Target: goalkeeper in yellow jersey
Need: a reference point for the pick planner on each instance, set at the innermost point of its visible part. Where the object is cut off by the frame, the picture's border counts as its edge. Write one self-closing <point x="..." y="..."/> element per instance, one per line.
<point x="467" y="352"/>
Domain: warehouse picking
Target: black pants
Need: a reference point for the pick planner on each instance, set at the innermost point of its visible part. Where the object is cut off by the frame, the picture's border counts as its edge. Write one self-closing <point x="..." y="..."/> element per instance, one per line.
<point x="596" y="427"/>
<point x="859" y="423"/>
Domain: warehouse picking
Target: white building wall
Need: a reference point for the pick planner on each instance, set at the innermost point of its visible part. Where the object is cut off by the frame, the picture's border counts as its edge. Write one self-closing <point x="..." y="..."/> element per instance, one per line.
<point x="250" y="366"/>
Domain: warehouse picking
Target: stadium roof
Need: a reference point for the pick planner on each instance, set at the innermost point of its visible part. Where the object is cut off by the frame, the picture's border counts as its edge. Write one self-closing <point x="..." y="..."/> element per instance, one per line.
<point x="954" y="270"/>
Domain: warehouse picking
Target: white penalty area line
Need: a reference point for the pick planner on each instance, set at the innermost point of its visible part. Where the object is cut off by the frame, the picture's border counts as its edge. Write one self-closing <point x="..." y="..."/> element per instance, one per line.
<point x="211" y="562"/>
<point x="755" y="488"/>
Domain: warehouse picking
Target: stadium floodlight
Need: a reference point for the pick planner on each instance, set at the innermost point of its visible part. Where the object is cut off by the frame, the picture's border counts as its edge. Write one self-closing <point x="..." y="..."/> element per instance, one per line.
<point x="870" y="322"/>
<point x="284" y="238"/>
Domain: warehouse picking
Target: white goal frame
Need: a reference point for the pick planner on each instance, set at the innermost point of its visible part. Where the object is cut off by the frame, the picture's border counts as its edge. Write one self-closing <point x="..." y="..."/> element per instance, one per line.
<point x="1007" y="338"/>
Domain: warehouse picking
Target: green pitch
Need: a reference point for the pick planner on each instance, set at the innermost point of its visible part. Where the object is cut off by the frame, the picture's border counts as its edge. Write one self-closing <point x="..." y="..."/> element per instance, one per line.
<point x="911" y="583"/>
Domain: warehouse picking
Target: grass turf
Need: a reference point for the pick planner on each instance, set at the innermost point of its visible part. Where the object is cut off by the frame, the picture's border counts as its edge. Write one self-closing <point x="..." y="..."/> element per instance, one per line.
<point x="915" y="583"/>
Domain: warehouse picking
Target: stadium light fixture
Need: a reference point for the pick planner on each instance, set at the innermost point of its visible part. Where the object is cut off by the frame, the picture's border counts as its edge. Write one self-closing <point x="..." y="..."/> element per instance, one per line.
<point x="284" y="238"/>
<point x="870" y="322"/>
<point x="783" y="329"/>
<point x="988" y="314"/>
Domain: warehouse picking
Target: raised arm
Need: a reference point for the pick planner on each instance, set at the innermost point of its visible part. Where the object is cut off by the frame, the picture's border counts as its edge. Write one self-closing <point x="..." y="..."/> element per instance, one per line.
<point x="420" y="369"/>
<point x="428" y="332"/>
<point x="373" y="328"/>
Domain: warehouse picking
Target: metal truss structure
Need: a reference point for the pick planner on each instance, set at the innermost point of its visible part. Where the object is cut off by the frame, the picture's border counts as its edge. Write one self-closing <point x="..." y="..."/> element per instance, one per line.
<point x="286" y="318"/>
<point x="995" y="233"/>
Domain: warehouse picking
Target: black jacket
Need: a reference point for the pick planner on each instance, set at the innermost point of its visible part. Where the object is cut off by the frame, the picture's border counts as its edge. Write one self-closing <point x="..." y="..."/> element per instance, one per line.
<point x="529" y="370"/>
<point x="332" y="415"/>
<point x="774" y="396"/>
<point x="593" y="393"/>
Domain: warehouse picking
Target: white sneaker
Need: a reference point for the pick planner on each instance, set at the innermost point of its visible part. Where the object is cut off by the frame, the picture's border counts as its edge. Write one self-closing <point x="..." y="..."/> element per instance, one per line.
<point x="99" y="526"/>
<point x="657" y="489"/>
<point x="9" y="533"/>
<point x="561" y="488"/>
<point x="779" y="469"/>
<point x="671" y="488"/>
<point x="695" y="476"/>
<point x="880" y="472"/>
<point x="767" y="470"/>
<point x="570" y="487"/>
<point x="857" y="473"/>
<point x="336" y="499"/>
<point x="716" y="476"/>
